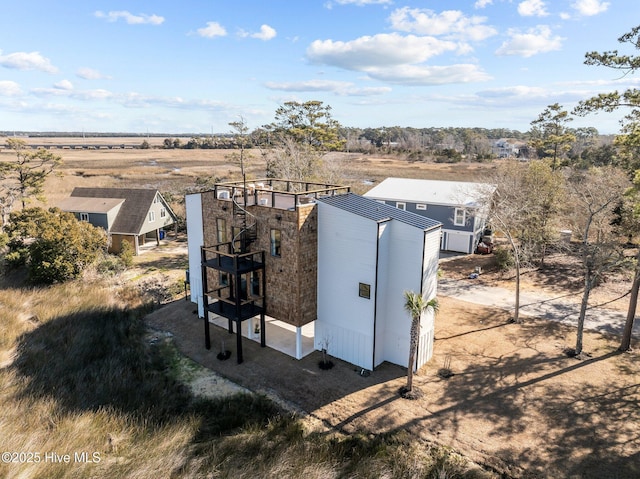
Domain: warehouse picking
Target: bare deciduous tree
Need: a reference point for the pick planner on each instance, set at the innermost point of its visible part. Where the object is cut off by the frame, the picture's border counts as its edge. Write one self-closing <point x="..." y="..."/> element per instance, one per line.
<point x="594" y="195"/>
<point x="524" y="207"/>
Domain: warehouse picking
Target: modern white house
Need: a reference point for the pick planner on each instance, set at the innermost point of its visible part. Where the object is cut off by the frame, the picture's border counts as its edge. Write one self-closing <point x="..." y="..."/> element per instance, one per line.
<point x="369" y="254"/>
<point x="315" y="257"/>
<point x="453" y="203"/>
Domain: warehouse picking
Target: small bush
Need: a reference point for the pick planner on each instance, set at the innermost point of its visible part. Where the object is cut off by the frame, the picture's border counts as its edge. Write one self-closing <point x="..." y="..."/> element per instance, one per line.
<point x="110" y="265"/>
<point x="504" y="258"/>
<point x="126" y="253"/>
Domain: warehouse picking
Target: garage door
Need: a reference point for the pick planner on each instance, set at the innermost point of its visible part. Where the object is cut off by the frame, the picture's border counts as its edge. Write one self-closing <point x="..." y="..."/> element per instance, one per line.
<point x="458" y="242"/>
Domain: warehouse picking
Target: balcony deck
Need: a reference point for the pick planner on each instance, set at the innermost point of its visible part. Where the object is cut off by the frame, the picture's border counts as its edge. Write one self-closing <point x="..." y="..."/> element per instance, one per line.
<point x="248" y="310"/>
<point x="220" y="257"/>
<point x="276" y="193"/>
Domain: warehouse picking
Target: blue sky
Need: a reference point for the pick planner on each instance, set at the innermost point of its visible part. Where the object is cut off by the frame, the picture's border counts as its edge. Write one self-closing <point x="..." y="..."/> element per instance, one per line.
<point x="195" y="66"/>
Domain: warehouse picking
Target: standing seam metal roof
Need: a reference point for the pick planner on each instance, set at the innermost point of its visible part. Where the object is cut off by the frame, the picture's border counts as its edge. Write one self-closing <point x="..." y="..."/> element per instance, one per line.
<point x="376" y="211"/>
<point x="440" y="192"/>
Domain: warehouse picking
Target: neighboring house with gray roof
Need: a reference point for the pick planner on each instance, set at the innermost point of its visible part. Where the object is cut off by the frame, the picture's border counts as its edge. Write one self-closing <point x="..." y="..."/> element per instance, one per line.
<point x="453" y="203"/>
<point x="136" y="215"/>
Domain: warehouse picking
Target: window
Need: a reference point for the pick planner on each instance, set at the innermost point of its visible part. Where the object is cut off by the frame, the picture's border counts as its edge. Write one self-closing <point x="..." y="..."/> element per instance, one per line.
<point x="84" y="216"/>
<point x="421" y="206"/>
<point x="402" y="206"/>
<point x="152" y="216"/>
<point x="460" y="218"/>
<point x="156" y="199"/>
<point x="275" y="242"/>
<point x="163" y="212"/>
<point x="221" y="230"/>
<point x="364" y="290"/>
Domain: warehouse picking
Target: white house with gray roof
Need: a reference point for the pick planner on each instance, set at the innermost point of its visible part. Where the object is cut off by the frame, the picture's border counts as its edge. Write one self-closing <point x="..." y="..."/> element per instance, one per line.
<point x="369" y="254"/>
<point x="452" y="203"/>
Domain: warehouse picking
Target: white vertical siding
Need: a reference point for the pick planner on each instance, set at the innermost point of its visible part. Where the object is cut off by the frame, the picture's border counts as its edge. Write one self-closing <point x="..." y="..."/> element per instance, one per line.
<point x="368" y="332"/>
<point x="195" y="239"/>
<point x="425" y="344"/>
<point x="347" y="246"/>
<point x="384" y="235"/>
<point x="429" y="291"/>
<point x="404" y="274"/>
<point x="430" y="264"/>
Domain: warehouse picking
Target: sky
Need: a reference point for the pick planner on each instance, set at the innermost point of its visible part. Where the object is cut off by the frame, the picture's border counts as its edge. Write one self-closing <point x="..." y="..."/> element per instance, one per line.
<point x="196" y="66"/>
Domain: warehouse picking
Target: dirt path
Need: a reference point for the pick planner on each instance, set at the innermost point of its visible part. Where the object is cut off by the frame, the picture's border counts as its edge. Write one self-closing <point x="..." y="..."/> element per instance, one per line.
<point x="562" y="308"/>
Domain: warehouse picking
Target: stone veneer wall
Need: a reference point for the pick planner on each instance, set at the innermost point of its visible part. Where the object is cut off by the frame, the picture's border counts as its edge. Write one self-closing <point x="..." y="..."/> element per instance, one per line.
<point x="291" y="289"/>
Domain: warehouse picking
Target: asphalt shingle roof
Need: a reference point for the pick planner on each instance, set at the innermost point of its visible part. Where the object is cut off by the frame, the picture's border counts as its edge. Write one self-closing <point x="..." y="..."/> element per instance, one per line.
<point x="133" y="212"/>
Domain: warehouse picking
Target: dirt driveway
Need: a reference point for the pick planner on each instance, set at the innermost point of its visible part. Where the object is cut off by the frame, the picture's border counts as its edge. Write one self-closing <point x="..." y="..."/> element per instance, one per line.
<point x="515" y="403"/>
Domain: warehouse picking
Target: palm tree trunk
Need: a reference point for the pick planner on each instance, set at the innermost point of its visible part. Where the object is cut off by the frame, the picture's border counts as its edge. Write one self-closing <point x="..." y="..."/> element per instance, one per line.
<point x="413" y="346"/>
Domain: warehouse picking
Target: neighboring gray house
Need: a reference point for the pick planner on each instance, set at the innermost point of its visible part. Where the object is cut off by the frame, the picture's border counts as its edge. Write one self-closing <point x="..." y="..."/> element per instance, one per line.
<point x="136" y="215"/>
<point x="452" y="203"/>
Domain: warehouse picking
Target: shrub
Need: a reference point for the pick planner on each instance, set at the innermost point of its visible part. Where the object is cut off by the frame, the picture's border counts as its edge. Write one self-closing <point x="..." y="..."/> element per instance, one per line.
<point x="126" y="253"/>
<point x="53" y="244"/>
<point x="110" y="264"/>
<point x="504" y="258"/>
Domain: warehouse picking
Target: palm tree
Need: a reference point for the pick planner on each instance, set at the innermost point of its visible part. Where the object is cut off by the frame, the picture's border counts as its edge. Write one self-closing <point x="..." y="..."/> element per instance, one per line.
<point x="415" y="305"/>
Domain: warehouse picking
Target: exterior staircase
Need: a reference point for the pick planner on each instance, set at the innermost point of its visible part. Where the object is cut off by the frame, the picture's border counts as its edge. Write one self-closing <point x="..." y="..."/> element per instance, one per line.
<point x="249" y="230"/>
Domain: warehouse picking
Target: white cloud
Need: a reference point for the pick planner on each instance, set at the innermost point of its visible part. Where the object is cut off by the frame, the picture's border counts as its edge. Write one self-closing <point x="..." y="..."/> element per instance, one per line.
<point x="377" y="51"/>
<point x="395" y="58"/>
<point x="27" y="61"/>
<point x="450" y="23"/>
<point x="63" y="89"/>
<point x="482" y="3"/>
<point x="213" y="29"/>
<point x="337" y="87"/>
<point x="90" y="74"/>
<point x="127" y="99"/>
<point x="516" y="91"/>
<point x="532" y="42"/>
<point x="429" y="75"/>
<point x="266" y="33"/>
<point x="9" y="88"/>
<point x="130" y="18"/>
<point x="590" y="7"/>
<point x="532" y="8"/>
<point x="359" y="3"/>
<point x="63" y="85"/>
